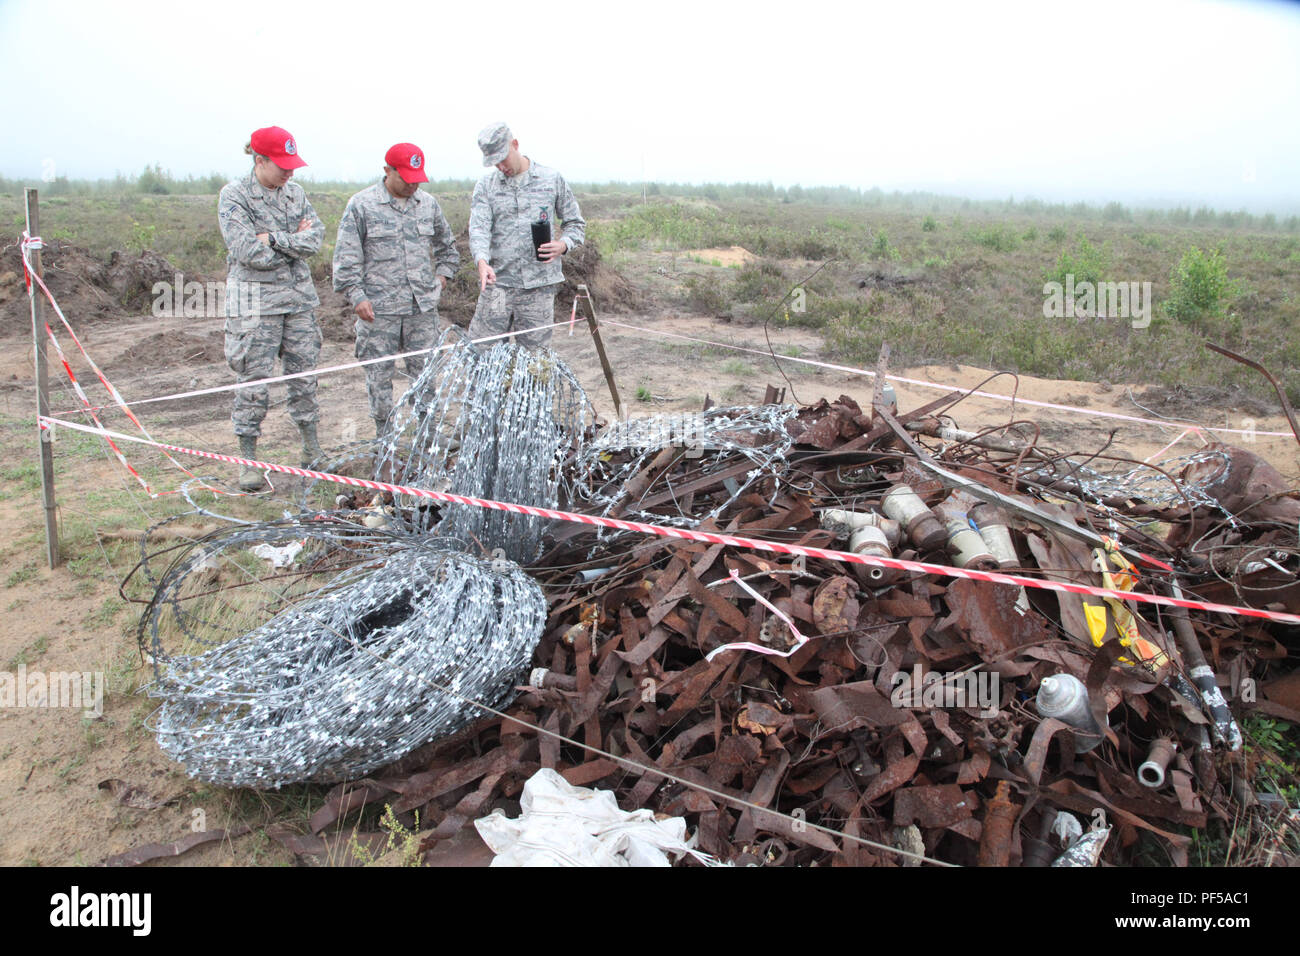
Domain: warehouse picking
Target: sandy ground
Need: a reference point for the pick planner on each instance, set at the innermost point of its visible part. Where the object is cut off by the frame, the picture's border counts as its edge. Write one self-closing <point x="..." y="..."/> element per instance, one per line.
<point x="52" y="760"/>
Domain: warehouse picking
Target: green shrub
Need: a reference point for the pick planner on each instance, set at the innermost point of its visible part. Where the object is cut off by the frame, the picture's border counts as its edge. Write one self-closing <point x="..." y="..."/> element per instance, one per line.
<point x="1085" y="262"/>
<point x="1198" y="287"/>
<point x="667" y="226"/>
<point x="758" y="282"/>
<point x="928" y="224"/>
<point x="1056" y="234"/>
<point x="813" y="246"/>
<point x="154" y="181"/>
<point x="998" y="238"/>
<point x="703" y="296"/>
<point x="882" y="248"/>
<point x="1115" y="212"/>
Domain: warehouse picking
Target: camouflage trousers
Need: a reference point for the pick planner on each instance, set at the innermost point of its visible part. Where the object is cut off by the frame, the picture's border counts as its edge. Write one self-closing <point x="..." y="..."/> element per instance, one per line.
<point x="392" y="335"/>
<point x="501" y="309"/>
<point x="252" y="344"/>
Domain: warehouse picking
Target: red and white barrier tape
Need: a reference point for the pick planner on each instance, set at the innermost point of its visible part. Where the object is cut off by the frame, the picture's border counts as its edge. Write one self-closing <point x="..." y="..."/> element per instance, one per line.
<point x="29" y="242"/>
<point x="707" y="537"/>
<point x="1096" y="413"/>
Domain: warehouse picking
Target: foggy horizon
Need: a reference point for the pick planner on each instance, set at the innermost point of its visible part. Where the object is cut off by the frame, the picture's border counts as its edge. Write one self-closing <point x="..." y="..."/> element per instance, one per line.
<point x="1156" y="104"/>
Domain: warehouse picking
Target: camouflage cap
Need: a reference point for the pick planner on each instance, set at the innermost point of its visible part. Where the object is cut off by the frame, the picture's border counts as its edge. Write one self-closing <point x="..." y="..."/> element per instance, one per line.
<point x="495" y="142"/>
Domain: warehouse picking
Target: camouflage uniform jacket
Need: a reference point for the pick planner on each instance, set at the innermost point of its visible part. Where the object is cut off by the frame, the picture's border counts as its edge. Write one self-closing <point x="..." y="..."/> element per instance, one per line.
<point x="500" y="224"/>
<point x="382" y="252"/>
<point x="277" y="277"/>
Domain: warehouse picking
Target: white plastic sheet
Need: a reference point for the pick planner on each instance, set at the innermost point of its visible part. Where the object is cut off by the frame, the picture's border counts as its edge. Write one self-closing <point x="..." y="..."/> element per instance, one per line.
<point x="279" y="557"/>
<point x="564" y="825"/>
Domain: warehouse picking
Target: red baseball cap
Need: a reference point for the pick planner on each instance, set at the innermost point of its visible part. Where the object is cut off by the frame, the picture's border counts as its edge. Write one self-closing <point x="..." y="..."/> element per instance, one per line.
<point x="408" y="160"/>
<point x="277" y="145"/>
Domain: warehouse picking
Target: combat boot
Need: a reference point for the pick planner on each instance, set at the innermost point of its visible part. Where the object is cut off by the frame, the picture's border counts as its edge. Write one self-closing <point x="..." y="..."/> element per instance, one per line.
<point x="311" y="449"/>
<point x="250" y="479"/>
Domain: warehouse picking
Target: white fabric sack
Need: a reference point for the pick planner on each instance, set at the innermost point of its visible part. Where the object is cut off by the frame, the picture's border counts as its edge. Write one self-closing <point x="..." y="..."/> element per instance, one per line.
<point x="279" y="557"/>
<point x="564" y="825"/>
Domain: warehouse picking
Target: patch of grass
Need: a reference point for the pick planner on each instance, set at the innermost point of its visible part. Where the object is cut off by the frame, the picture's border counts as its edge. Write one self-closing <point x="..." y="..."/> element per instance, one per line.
<point x="26" y="476"/>
<point x="734" y="395"/>
<point x="294" y="803"/>
<point x="643" y="394"/>
<point x="124" y="672"/>
<point x="737" y="367"/>
<point x="106" y="613"/>
<point x="92" y="731"/>
<point x="21" y="575"/>
<point x="659" y="225"/>
<point x="1275" y="746"/>
<point x="700" y="260"/>
<point x="29" y="653"/>
<point x="77" y="761"/>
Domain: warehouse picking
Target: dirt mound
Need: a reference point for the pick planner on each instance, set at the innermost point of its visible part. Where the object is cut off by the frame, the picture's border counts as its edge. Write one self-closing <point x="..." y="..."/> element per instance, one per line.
<point x="86" y="286"/>
<point x="1191" y="401"/>
<point x="611" y="292"/>
<point x="461" y="295"/>
<point x="169" y="349"/>
<point x="730" y="256"/>
<point x="335" y="315"/>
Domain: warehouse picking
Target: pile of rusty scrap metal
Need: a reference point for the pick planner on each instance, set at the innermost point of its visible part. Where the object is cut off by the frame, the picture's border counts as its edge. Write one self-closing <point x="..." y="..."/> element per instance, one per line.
<point x="875" y="714"/>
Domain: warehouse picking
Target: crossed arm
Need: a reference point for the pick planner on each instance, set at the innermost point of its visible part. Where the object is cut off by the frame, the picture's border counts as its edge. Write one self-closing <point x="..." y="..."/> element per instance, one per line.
<point x="253" y="249"/>
<point x="306" y="241"/>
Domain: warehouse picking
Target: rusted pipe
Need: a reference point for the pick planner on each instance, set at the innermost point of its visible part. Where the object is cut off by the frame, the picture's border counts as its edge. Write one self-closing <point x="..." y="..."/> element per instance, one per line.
<point x="1151" y="773"/>
<point x="999" y="823"/>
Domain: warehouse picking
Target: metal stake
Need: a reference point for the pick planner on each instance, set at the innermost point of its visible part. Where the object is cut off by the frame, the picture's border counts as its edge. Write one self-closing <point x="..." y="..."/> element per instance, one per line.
<point x="600" y="350"/>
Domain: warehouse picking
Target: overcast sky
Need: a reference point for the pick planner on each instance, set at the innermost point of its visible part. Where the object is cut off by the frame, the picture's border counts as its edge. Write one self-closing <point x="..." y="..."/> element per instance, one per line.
<point x="1177" y="101"/>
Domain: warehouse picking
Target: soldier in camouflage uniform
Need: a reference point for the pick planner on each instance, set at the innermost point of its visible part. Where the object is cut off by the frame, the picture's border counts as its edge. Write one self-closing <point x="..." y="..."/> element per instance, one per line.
<point x="382" y="264"/>
<point x="517" y="283"/>
<point x="270" y="230"/>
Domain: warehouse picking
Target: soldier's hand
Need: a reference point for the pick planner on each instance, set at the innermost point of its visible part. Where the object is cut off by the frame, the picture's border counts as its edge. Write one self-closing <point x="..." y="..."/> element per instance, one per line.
<point x="486" y="275"/>
<point x="264" y="238"/>
<point x="551" y="250"/>
<point x="442" y="282"/>
<point x="305" y="224"/>
<point x="365" y="311"/>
